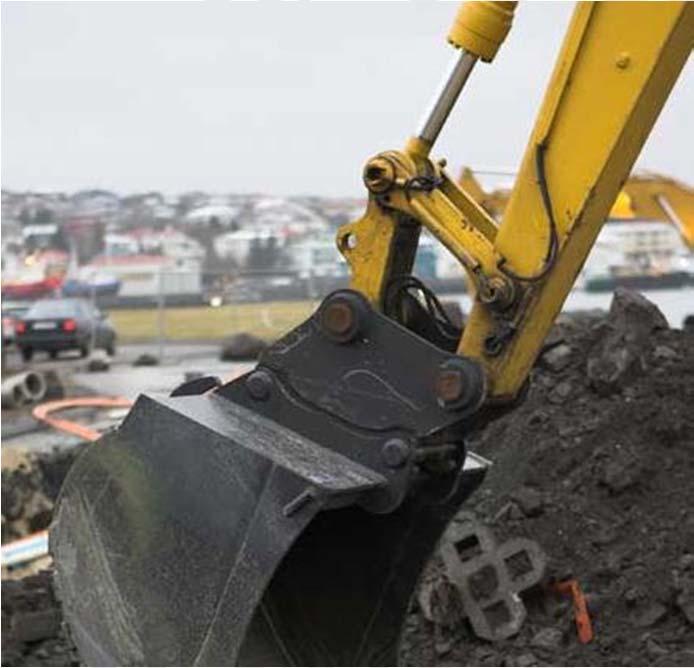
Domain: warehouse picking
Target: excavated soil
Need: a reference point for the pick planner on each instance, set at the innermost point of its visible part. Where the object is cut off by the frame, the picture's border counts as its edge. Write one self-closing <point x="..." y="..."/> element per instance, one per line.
<point x="596" y="465"/>
<point x="32" y="629"/>
<point x="30" y="484"/>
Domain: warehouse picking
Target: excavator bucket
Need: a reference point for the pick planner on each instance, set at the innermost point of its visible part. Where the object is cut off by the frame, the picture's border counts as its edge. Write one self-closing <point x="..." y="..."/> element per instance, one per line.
<point x="281" y="519"/>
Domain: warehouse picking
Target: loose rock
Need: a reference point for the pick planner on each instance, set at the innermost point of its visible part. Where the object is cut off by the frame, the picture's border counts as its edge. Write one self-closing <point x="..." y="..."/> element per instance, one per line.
<point x="547" y="638"/>
<point x="529" y="500"/>
<point x="557" y="358"/>
<point x="665" y="353"/>
<point x="624" y="337"/>
<point x="685" y="602"/>
<point x="242" y="347"/>
<point x="634" y="316"/>
<point x="561" y="392"/>
<point x="146" y="359"/>
<point x="524" y="660"/>
<point x="32" y="634"/>
<point x="650" y="615"/>
<point x="98" y="364"/>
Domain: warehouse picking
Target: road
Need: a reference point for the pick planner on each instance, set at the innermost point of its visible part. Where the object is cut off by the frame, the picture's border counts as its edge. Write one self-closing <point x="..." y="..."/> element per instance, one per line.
<point x="122" y="379"/>
<point x="125" y="380"/>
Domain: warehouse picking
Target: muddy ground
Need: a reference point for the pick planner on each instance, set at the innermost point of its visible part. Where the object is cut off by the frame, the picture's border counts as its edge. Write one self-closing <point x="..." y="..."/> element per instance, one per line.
<point x="596" y="465"/>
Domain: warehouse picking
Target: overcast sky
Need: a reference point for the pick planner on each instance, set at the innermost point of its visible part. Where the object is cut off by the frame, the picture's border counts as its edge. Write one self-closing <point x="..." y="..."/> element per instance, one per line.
<point x="267" y="96"/>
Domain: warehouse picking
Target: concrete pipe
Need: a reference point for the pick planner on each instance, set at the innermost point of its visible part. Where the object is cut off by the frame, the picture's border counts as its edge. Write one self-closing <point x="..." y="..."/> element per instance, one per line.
<point x="13" y="394"/>
<point x="24" y="388"/>
<point x="35" y="386"/>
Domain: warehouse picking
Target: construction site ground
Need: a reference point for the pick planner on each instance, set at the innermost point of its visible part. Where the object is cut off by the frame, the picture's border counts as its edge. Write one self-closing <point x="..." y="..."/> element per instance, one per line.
<point x="595" y="464"/>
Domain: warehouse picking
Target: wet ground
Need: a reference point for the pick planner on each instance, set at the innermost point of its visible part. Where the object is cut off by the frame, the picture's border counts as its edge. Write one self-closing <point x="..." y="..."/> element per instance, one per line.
<point x="123" y="379"/>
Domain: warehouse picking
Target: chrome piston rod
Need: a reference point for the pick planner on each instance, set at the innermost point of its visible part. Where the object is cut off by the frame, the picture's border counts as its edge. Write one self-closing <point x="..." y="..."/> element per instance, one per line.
<point x="446" y="97"/>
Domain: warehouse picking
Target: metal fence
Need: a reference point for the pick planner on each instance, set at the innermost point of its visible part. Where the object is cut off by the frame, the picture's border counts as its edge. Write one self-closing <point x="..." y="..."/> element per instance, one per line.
<point x="262" y="304"/>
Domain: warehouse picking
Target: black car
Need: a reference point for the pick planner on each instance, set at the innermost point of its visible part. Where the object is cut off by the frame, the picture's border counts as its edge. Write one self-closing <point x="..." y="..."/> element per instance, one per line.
<point x="64" y="324"/>
<point x="11" y="312"/>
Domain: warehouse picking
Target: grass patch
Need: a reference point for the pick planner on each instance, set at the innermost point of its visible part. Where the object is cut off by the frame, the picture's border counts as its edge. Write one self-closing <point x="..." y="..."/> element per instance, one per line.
<point x="268" y="320"/>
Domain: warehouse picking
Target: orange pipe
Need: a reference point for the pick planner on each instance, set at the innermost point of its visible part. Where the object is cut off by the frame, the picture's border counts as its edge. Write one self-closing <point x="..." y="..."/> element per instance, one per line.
<point x="584" y="626"/>
<point x="43" y="414"/>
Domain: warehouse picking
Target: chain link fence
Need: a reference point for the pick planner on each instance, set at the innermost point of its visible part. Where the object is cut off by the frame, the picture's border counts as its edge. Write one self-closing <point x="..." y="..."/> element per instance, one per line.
<point x="170" y="307"/>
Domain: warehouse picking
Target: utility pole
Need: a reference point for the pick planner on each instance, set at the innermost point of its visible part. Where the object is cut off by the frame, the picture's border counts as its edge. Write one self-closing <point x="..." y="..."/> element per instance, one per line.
<point x="95" y="319"/>
<point x="160" y="316"/>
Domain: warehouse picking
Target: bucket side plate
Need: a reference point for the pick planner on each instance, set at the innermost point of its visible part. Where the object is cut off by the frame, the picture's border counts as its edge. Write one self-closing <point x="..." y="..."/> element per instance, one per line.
<point x="168" y="531"/>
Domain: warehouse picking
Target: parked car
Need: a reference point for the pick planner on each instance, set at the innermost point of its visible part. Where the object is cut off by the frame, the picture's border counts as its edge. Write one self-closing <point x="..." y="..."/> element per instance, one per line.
<point x="11" y="312"/>
<point x="53" y="325"/>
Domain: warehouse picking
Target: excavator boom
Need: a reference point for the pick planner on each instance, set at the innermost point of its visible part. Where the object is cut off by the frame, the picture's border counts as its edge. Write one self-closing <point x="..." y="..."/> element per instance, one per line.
<point x="284" y="518"/>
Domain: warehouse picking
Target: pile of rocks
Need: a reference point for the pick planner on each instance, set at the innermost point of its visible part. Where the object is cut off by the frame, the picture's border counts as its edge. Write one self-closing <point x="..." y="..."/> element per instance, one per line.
<point x="241" y="347"/>
<point x="596" y="465"/>
<point x="30" y="484"/>
<point x="32" y="630"/>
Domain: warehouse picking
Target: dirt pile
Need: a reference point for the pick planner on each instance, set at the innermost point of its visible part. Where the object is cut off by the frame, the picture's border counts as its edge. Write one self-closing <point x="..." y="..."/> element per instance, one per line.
<point x="32" y="633"/>
<point x="597" y="466"/>
<point x="241" y="347"/>
<point x="30" y="484"/>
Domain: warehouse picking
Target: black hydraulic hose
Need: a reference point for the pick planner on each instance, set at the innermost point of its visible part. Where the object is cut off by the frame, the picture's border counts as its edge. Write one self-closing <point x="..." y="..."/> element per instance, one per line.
<point x="553" y="246"/>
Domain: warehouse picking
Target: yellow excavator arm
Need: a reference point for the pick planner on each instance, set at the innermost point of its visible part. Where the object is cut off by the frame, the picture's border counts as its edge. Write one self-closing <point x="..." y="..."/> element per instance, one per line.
<point x="284" y="518"/>
<point x="614" y="72"/>
<point x="656" y="197"/>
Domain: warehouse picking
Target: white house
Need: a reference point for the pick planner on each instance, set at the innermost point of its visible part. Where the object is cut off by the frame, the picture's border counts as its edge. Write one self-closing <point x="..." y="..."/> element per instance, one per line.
<point x="150" y="275"/>
<point x="120" y="244"/>
<point x="222" y="214"/>
<point x="172" y="243"/>
<point x="236" y="246"/>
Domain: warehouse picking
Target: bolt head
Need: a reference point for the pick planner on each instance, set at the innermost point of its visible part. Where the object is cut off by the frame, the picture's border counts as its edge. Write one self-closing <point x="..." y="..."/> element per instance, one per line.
<point x="395" y="453"/>
<point x="499" y="292"/>
<point x="623" y="60"/>
<point x="259" y="385"/>
<point x="379" y="175"/>
<point x="450" y="385"/>
<point x="459" y="384"/>
<point x="338" y="318"/>
<point x="343" y="315"/>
